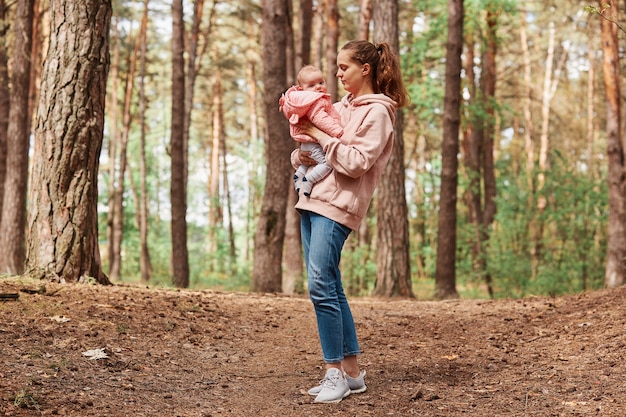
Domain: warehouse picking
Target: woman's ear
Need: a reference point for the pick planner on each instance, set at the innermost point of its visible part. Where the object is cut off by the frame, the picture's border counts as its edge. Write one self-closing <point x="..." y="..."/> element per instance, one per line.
<point x="365" y="70"/>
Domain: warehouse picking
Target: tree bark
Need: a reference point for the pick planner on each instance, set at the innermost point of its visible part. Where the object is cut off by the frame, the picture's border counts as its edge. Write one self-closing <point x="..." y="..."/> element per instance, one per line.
<point x="112" y="111"/>
<point x="215" y="208"/>
<point x="193" y="64"/>
<point x="332" y="44"/>
<point x="365" y="17"/>
<point x="232" y="248"/>
<point x="12" y="224"/>
<point x="317" y="38"/>
<point x="591" y="93"/>
<point x="145" y="263"/>
<point x="616" y="245"/>
<point x="303" y="48"/>
<point x="117" y="235"/>
<point x="445" y="274"/>
<point x="180" y="256"/>
<point x="488" y="86"/>
<point x="253" y="199"/>
<point x="270" y="232"/>
<point x="393" y="272"/>
<point x="4" y="98"/>
<point x="472" y="154"/>
<point x="63" y="219"/>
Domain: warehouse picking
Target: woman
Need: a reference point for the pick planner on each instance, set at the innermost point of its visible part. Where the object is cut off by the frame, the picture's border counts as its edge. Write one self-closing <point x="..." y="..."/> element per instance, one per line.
<point x="370" y="74"/>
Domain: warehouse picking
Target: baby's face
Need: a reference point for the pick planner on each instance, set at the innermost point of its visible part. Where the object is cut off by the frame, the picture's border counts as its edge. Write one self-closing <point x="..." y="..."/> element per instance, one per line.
<point x="314" y="81"/>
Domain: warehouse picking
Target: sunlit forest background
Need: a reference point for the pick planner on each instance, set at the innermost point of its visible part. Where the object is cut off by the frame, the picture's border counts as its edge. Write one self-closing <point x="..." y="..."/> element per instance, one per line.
<point x="562" y="46"/>
<point x="550" y="230"/>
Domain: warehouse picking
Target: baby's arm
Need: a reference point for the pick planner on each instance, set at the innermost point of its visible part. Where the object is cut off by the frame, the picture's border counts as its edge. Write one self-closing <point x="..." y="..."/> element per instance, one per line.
<point x="324" y="121"/>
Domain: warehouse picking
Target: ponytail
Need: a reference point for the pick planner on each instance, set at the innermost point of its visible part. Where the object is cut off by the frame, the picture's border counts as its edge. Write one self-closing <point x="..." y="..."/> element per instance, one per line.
<point x="385" y="65"/>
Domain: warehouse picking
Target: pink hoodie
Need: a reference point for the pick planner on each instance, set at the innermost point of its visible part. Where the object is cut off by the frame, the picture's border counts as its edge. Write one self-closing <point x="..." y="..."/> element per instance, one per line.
<point x="297" y="105"/>
<point x="358" y="159"/>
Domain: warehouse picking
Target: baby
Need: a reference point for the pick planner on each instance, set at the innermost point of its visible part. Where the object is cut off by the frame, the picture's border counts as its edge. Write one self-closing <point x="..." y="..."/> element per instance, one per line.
<point x="309" y="101"/>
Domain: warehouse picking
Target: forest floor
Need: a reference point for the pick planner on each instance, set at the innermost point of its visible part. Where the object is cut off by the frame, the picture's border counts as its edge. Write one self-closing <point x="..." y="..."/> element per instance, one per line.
<point x="86" y="350"/>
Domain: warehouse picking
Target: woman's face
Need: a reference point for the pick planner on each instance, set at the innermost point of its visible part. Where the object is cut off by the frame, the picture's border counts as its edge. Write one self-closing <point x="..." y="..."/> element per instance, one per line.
<point x="353" y="75"/>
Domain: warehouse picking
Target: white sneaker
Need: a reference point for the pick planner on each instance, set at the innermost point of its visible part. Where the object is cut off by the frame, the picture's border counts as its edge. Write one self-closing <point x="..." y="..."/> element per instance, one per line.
<point x="357" y="385"/>
<point x="316" y="390"/>
<point x="335" y="387"/>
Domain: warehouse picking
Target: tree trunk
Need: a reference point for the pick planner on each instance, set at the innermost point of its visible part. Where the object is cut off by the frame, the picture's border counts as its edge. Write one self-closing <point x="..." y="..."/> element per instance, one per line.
<point x="317" y="39"/>
<point x="232" y="249"/>
<point x="12" y="224"/>
<point x="270" y="232"/>
<point x="293" y="277"/>
<point x="616" y="245"/>
<point x="489" y="173"/>
<point x="40" y="36"/>
<point x="145" y="263"/>
<point x="365" y="17"/>
<point x="472" y="152"/>
<point x="545" y="118"/>
<point x="445" y="274"/>
<point x="303" y="48"/>
<point x="529" y="147"/>
<point x="253" y="200"/>
<point x="4" y="99"/>
<point x="193" y="64"/>
<point x="112" y="110"/>
<point x="215" y="208"/>
<point x="63" y="218"/>
<point x="290" y="51"/>
<point x="332" y="43"/>
<point x="393" y="272"/>
<point x="117" y="236"/>
<point x="591" y="92"/>
<point x="180" y="256"/>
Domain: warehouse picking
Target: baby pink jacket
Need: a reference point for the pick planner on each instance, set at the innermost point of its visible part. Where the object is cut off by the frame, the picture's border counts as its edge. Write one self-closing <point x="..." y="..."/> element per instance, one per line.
<point x="358" y="159"/>
<point x="297" y="105"/>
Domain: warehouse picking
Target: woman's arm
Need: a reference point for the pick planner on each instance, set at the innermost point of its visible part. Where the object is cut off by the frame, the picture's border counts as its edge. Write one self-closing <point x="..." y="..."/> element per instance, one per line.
<point x="355" y="153"/>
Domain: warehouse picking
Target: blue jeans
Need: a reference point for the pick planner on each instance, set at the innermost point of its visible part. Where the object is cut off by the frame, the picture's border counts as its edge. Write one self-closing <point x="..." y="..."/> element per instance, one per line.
<point x="322" y="241"/>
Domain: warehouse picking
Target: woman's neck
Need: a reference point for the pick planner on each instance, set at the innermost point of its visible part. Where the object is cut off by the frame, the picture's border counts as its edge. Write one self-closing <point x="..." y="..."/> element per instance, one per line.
<point x="365" y="89"/>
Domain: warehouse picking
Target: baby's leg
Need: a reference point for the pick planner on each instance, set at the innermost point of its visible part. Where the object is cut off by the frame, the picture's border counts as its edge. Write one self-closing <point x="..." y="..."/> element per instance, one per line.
<point x="298" y="177"/>
<point x="318" y="172"/>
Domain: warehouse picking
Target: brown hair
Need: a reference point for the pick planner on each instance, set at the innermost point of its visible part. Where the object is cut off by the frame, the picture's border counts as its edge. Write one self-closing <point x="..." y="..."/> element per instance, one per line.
<point x="385" y="65"/>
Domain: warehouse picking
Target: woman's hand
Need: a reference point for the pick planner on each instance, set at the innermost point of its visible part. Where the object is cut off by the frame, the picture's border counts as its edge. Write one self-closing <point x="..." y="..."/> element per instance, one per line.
<point x="305" y="158"/>
<point x="311" y="130"/>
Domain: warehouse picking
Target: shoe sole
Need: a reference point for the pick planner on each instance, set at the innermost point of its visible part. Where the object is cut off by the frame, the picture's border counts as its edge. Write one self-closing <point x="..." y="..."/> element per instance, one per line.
<point x="352" y="391"/>
<point x="333" y="401"/>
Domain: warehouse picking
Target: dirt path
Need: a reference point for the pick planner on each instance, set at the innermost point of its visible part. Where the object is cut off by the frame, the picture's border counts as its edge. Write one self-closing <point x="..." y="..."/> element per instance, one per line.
<point x="204" y="353"/>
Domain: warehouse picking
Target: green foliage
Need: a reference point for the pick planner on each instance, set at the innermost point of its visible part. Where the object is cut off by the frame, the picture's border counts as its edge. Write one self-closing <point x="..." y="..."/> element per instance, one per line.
<point x="25" y="399"/>
<point x="572" y="247"/>
<point x="422" y="58"/>
<point x="358" y="266"/>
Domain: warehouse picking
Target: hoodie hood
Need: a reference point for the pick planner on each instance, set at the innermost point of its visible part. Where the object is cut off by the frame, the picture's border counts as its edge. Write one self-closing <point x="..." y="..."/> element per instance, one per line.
<point x="367" y="99"/>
